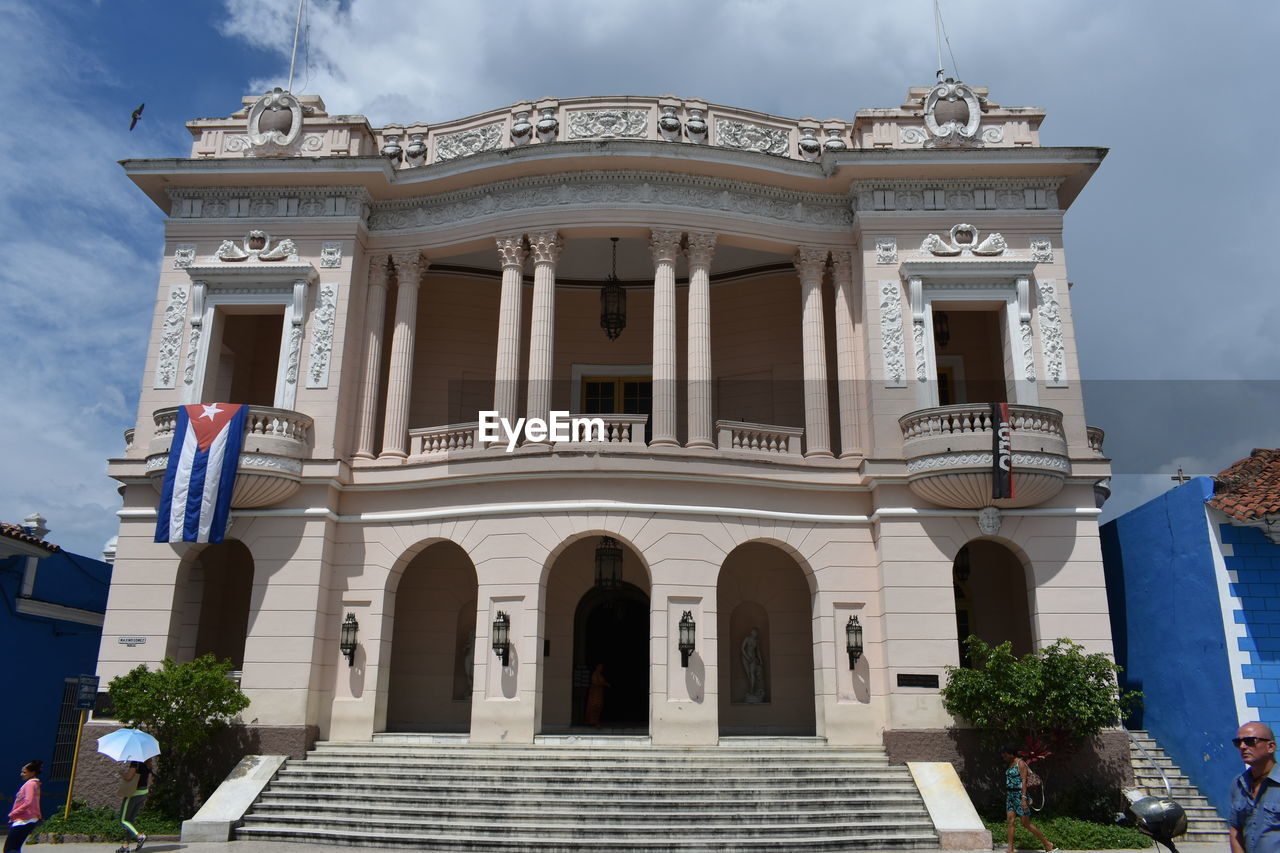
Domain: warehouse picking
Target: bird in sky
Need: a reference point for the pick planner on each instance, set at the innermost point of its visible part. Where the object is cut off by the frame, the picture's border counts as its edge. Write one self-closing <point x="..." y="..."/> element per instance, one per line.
<point x="137" y="114"/>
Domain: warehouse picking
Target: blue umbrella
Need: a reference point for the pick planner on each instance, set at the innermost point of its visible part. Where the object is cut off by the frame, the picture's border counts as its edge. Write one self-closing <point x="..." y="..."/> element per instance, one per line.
<point x="128" y="745"/>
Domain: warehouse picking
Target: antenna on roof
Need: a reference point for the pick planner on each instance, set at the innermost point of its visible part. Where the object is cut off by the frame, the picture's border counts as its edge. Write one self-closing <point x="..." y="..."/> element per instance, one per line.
<point x="298" y="26"/>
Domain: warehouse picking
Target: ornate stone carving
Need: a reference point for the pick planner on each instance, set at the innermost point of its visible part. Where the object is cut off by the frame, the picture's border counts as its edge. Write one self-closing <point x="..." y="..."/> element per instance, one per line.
<point x="886" y="250"/>
<point x="271" y="462"/>
<point x="964" y="241"/>
<point x="810" y="147"/>
<point x="834" y="141"/>
<point x="521" y="128"/>
<point x="608" y="124"/>
<point x="511" y="250"/>
<point x="274" y="124"/>
<point x="912" y="135"/>
<point x="1028" y="352"/>
<point x="548" y="126"/>
<point x="1042" y="251"/>
<point x="331" y="254"/>
<point x="664" y="245"/>
<point x="322" y="325"/>
<point x="1050" y="461"/>
<point x="545" y="246"/>
<point x="669" y="124"/>
<point x="184" y="254"/>
<point x="917" y="342"/>
<point x="256" y="246"/>
<point x="611" y="190"/>
<point x="956" y="193"/>
<point x="751" y="137"/>
<point x="963" y="116"/>
<point x="993" y="135"/>
<point x="891" y="337"/>
<point x="193" y="348"/>
<point x="989" y="520"/>
<point x="171" y="338"/>
<point x="1050" y="315"/>
<point x="464" y="143"/>
<point x="696" y="126"/>
<point x="417" y="147"/>
<point x="294" y="355"/>
<point x="208" y="203"/>
<point x="701" y="248"/>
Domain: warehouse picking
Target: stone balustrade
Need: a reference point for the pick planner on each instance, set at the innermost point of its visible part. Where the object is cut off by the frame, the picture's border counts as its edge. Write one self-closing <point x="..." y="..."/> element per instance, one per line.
<point x="442" y="439"/>
<point x="976" y="417"/>
<point x="759" y="438"/>
<point x="1096" y="435"/>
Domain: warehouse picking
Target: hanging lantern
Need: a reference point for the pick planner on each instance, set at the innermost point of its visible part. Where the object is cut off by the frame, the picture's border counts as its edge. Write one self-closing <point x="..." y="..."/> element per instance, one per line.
<point x="941" y="329"/>
<point x="853" y="640"/>
<point x="347" y="638"/>
<point x="502" y="637"/>
<point x="613" y="301"/>
<point x="608" y="563"/>
<point x="686" y="643"/>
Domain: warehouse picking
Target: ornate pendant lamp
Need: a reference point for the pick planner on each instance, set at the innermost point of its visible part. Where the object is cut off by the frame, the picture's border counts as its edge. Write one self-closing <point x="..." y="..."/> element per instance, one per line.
<point x="613" y="301"/>
<point x="608" y="563"/>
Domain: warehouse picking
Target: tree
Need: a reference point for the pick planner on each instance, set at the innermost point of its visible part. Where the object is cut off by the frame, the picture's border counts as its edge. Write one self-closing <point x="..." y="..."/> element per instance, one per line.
<point x="183" y="705"/>
<point x="1052" y="699"/>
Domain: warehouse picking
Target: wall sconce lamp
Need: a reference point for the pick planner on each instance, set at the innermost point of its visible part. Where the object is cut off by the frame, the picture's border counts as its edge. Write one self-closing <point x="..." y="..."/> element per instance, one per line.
<point x="853" y="640"/>
<point x="347" y="640"/>
<point x="941" y="329"/>
<point x="960" y="569"/>
<point x="686" y="644"/>
<point x="608" y="563"/>
<point x="502" y="637"/>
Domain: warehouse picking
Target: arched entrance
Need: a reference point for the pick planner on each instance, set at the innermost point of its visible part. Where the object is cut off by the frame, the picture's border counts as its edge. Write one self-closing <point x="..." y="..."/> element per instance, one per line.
<point x="611" y="628"/>
<point x="430" y="684"/>
<point x="766" y="658"/>
<point x="991" y="596"/>
<point x="216" y="592"/>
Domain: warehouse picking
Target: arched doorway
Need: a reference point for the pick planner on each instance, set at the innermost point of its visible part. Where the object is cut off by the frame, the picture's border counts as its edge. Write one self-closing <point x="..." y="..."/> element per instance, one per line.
<point x="216" y="595"/>
<point x="766" y="657"/>
<point x="991" y="596"/>
<point x="430" y="683"/>
<point x="611" y="627"/>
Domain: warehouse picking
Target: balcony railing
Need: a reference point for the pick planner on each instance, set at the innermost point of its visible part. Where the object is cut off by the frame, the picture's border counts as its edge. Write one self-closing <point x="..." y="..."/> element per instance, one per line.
<point x="973" y="418"/>
<point x="1096" y="435"/>
<point x="759" y="438"/>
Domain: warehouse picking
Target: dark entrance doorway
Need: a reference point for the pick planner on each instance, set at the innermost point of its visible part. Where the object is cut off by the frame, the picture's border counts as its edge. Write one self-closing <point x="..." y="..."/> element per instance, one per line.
<point x="611" y="626"/>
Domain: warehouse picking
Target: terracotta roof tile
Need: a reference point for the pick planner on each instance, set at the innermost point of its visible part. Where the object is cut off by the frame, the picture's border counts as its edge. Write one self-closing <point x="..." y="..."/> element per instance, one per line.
<point x="1249" y="489"/>
<point x="14" y="531"/>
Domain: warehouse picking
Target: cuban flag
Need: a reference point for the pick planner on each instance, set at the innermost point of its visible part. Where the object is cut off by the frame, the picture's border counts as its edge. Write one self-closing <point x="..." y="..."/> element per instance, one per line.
<point x="196" y="498"/>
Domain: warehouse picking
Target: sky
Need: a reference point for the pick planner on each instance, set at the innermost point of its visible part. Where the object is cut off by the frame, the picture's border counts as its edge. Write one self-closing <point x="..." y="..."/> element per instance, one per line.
<point x="1176" y="299"/>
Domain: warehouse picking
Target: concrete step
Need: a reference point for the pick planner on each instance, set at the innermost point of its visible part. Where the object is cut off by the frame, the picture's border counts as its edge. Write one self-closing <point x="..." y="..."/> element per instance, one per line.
<point x="1149" y="763"/>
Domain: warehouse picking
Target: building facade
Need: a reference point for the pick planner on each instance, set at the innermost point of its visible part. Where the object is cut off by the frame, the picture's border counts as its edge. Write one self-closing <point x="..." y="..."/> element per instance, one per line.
<point x="789" y="330"/>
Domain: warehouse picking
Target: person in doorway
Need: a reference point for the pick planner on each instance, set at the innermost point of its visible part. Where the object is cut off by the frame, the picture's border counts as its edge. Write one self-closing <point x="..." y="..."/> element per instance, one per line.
<point x="595" y="696"/>
<point x="1015" y="798"/>
<point x="25" y="813"/>
<point x="1253" y="825"/>
<point x="138" y="772"/>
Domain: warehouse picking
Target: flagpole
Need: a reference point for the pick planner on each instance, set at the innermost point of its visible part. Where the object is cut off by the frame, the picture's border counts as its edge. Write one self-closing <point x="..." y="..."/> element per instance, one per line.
<point x="294" y="56"/>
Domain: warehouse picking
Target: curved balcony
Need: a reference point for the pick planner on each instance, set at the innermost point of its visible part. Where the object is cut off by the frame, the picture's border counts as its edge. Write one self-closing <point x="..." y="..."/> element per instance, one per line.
<point x="948" y="453"/>
<point x="275" y="443"/>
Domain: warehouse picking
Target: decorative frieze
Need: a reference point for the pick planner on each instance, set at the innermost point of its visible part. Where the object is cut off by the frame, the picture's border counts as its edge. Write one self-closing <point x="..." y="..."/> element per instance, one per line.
<point x="331" y="254"/>
<point x="608" y="124"/>
<point x="1042" y="251"/>
<point x="613" y="190"/>
<point x="891" y="335"/>
<point x="886" y="250"/>
<point x="184" y="254"/>
<point x="264" y="203"/>
<point x="322" y="326"/>
<point x="464" y="143"/>
<point x="961" y="194"/>
<point x="746" y="136"/>
<point x="171" y="338"/>
<point x="1041" y="461"/>
<point x="1050" y="316"/>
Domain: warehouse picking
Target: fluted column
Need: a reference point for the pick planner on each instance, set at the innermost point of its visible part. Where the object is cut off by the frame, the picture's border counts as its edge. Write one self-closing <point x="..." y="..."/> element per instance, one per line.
<point x="375" y="309"/>
<point x="701" y="249"/>
<point x="810" y="263"/>
<point x="665" y="246"/>
<point x="506" y="373"/>
<point x="545" y="247"/>
<point x="846" y="366"/>
<point x="395" y="432"/>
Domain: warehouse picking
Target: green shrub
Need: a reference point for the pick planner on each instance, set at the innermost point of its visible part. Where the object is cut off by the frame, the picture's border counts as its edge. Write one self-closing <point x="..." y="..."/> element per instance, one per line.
<point x="1071" y="834"/>
<point x="103" y="824"/>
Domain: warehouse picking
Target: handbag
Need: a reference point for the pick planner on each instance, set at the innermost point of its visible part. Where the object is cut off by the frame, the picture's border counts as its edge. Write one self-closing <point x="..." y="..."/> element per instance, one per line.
<point x="1033" y="779"/>
<point x="127" y="787"/>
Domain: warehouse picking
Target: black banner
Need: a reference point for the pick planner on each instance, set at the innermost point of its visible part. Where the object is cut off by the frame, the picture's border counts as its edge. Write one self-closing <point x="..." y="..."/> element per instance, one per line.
<point x="1001" y="452"/>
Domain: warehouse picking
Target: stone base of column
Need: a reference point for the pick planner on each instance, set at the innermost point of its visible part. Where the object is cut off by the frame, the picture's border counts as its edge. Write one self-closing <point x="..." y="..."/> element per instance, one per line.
<point x="819" y="454"/>
<point x="393" y="454"/>
<point x="705" y="445"/>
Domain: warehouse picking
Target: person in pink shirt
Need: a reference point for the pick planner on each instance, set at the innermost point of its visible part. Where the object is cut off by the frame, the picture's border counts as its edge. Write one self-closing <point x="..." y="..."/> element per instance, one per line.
<point x="25" y="813"/>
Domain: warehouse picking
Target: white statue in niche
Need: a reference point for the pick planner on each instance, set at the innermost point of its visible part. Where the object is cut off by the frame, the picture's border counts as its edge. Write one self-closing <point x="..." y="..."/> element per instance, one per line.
<point x="753" y="666"/>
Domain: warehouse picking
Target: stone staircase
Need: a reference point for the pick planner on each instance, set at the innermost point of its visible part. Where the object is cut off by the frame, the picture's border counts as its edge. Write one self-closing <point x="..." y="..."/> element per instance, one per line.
<point x="594" y="794"/>
<point x="1203" y="823"/>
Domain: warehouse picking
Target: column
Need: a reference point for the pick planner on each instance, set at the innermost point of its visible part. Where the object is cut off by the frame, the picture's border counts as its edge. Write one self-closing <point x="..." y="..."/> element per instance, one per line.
<point x="395" y="433"/>
<point x="506" y="373"/>
<point x="375" y="307"/>
<point x="846" y="365"/>
<point x="545" y="247"/>
<point x="810" y="263"/>
<point x="664" y="245"/>
<point x="701" y="249"/>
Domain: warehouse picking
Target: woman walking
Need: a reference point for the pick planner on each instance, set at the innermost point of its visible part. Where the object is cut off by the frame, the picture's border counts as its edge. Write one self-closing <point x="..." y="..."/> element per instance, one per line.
<point x="1015" y="798"/>
<point x="138" y="776"/>
<point x="25" y="813"/>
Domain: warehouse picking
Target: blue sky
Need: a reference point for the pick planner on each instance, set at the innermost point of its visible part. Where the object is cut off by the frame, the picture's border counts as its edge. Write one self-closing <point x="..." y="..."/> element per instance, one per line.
<point x="1176" y="300"/>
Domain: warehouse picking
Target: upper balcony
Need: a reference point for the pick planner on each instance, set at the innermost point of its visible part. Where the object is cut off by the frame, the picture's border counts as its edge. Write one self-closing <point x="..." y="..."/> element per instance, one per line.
<point x="270" y="470"/>
<point x="949" y="455"/>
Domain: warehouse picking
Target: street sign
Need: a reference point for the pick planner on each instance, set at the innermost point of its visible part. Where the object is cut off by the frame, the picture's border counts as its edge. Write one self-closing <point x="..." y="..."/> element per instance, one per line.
<point x="86" y="692"/>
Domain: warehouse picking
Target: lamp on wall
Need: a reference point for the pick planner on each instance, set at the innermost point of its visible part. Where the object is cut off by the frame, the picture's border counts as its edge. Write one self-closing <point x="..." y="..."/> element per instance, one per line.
<point x="853" y="640"/>
<point x="613" y="301"/>
<point x="608" y="563"/>
<point x="686" y="644"/>
<point x="502" y="637"/>
<point x="960" y="569"/>
<point x="941" y="329"/>
<point x="347" y="639"/>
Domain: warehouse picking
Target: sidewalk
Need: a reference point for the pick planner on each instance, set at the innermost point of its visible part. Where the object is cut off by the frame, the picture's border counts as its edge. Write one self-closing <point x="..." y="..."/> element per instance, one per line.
<point x="289" y="847"/>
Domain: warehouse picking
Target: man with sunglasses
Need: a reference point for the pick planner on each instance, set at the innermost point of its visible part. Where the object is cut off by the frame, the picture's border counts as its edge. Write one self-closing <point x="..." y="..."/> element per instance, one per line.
<point x="1255" y="794"/>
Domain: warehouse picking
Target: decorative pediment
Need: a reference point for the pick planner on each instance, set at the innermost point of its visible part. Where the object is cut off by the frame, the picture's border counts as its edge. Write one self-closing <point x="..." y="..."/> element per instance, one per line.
<point x="964" y="241"/>
<point x="256" y="246"/>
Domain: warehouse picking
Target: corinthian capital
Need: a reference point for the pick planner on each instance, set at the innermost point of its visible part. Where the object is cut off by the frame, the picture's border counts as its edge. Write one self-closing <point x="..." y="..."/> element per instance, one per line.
<point x="378" y="270"/>
<point x="842" y="265"/>
<point x="511" y="250"/>
<point x="409" y="266"/>
<point x="702" y="247"/>
<point x="810" y="261"/>
<point x="545" y="246"/>
<point x="664" y="245"/>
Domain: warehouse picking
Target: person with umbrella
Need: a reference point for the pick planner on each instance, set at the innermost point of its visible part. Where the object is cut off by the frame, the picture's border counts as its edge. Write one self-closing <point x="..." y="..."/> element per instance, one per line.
<point x="136" y="748"/>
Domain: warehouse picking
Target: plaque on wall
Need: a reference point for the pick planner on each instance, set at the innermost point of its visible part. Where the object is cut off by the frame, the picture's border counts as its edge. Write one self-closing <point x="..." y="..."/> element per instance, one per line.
<point x="914" y="679"/>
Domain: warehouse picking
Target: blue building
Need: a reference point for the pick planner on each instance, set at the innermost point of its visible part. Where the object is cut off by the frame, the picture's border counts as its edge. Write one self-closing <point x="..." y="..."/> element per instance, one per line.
<point x="50" y="625"/>
<point x="1193" y="578"/>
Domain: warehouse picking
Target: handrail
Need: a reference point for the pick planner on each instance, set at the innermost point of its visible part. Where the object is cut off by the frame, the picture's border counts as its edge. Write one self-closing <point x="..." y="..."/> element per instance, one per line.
<point x="1168" y="789"/>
